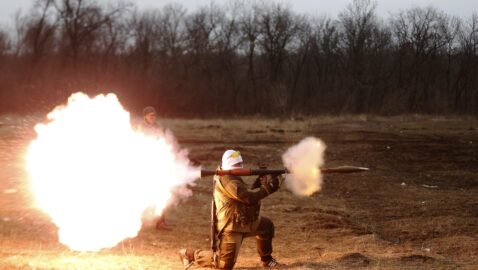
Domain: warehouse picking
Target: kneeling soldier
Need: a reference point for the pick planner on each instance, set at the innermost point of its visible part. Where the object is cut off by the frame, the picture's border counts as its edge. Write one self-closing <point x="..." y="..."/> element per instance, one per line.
<point x="236" y="208"/>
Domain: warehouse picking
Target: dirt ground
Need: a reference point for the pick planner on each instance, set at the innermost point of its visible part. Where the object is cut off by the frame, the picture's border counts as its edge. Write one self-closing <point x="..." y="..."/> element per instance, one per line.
<point x="415" y="209"/>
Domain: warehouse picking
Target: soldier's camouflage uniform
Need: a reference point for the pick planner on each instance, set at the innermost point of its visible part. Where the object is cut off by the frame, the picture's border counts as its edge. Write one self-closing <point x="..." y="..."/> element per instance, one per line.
<point x="237" y="211"/>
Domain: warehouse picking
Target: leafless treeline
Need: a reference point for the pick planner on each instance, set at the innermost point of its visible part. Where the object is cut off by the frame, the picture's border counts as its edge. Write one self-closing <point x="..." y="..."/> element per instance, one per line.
<point x="241" y="58"/>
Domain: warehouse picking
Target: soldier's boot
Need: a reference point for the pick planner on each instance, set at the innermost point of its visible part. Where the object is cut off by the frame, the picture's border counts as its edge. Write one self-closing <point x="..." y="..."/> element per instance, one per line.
<point x="186" y="257"/>
<point x="272" y="263"/>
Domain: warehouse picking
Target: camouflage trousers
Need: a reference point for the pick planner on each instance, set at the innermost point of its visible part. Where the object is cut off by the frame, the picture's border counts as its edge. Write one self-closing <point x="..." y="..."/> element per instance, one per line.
<point x="230" y="243"/>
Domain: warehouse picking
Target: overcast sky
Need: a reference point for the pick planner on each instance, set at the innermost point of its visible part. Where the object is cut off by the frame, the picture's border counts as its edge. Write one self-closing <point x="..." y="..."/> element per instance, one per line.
<point x="462" y="8"/>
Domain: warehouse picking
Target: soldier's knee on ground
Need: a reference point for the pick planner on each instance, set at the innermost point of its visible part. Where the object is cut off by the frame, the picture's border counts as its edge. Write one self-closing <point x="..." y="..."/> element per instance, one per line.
<point x="227" y="255"/>
<point x="229" y="245"/>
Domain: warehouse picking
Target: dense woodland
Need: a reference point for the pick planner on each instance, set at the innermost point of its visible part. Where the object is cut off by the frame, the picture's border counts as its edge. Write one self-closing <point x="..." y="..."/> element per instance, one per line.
<point x="241" y="58"/>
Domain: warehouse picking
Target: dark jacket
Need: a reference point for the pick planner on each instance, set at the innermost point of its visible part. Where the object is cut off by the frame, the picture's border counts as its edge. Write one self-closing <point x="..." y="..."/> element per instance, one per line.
<point x="237" y="206"/>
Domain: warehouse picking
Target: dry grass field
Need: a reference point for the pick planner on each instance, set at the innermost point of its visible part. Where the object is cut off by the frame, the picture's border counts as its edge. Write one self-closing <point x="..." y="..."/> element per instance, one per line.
<point x="416" y="209"/>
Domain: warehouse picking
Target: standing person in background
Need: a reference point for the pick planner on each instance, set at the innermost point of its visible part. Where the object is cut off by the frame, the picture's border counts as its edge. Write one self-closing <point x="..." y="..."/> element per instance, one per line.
<point x="150" y="127"/>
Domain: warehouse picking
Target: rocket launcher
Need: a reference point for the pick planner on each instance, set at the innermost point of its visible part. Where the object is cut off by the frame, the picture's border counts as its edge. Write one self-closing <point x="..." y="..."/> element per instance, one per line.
<point x="250" y="172"/>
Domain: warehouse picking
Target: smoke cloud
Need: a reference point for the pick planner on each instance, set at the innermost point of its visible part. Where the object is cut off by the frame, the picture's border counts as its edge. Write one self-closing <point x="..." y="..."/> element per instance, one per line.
<point x="95" y="175"/>
<point x="303" y="162"/>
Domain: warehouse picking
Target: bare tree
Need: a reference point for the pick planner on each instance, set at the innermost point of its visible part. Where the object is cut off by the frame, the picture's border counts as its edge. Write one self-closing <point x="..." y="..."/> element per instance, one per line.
<point x="226" y="45"/>
<point x="420" y="41"/>
<point x="81" y="21"/>
<point x="4" y="43"/>
<point x="201" y="31"/>
<point x="325" y="55"/>
<point x="278" y="28"/>
<point x="250" y="31"/>
<point x="40" y="27"/>
<point x="468" y="36"/>
<point x="448" y="29"/>
<point x="325" y="48"/>
<point x="5" y="94"/>
<point x="301" y="46"/>
<point x="173" y="29"/>
<point x="113" y="37"/>
<point x="358" y="22"/>
<point x="466" y="84"/>
<point x="146" y="35"/>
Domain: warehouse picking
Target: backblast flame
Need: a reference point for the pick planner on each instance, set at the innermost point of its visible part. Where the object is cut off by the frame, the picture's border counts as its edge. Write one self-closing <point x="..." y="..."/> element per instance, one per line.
<point x="94" y="175"/>
<point x="303" y="162"/>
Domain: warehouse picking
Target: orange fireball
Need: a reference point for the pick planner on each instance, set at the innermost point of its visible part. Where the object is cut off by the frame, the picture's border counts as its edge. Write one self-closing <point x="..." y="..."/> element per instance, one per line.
<point x="94" y="175"/>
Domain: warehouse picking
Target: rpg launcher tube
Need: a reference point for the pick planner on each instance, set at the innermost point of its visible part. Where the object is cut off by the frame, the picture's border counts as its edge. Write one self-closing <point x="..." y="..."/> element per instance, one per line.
<point x="250" y="172"/>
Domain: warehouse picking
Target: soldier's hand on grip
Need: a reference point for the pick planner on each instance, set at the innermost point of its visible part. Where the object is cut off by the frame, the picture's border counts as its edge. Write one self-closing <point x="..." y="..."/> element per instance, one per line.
<point x="271" y="184"/>
<point x="256" y="184"/>
<point x="260" y="181"/>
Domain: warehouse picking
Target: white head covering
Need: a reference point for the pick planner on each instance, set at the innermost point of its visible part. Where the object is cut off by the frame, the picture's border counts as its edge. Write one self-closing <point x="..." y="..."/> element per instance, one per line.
<point x="231" y="158"/>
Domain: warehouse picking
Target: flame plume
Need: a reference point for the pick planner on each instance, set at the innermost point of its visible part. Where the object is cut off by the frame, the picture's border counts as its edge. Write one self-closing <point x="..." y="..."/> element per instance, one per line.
<point x="94" y="175"/>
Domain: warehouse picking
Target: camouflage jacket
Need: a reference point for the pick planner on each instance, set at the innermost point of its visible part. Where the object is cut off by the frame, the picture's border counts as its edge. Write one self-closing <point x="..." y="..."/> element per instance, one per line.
<point x="237" y="207"/>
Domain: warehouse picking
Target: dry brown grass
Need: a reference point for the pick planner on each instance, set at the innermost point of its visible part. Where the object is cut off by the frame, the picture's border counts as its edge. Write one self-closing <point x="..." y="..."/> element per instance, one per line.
<point x="363" y="221"/>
